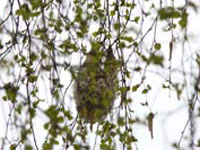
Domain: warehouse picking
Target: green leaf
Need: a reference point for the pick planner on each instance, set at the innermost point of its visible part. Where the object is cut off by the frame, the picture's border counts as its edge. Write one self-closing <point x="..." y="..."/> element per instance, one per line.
<point x="157" y="46"/>
<point x="144" y="91"/>
<point x="131" y="121"/>
<point x="35" y="4"/>
<point x="122" y="44"/>
<point x="68" y="115"/>
<point x="133" y="138"/>
<point x="156" y="59"/>
<point x="136" y="19"/>
<point x="11" y="92"/>
<point x="121" y="121"/>
<point x="46" y="126"/>
<point x="117" y="26"/>
<point x="58" y="26"/>
<point x="32" y="112"/>
<point x="33" y="57"/>
<point x="35" y="104"/>
<point x="19" y="109"/>
<point x="137" y="69"/>
<point x="183" y="21"/>
<point x="28" y="147"/>
<point x="135" y="87"/>
<point x="95" y="34"/>
<point x="23" y="11"/>
<point x="148" y="87"/>
<point x="60" y="119"/>
<point x="13" y="147"/>
<point x="168" y="13"/>
<point x="32" y="78"/>
<point x="35" y="14"/>
<point x="112" y="12"/>
<point x="47" y="146"/>
<point x="198" y="143"/>
<point x="135" y="44"/>
<point x="96" y="45"/>
<point x="127" y="38"/>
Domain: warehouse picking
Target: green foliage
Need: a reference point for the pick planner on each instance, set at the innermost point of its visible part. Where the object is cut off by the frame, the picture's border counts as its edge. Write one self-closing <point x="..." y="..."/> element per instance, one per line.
<point x="146" y="90"/>
<point x="156" y="59"/>
<point x="135" y="87"/>
<point x="198" y="143"/>
<point x="11" y="92"/>
<point x="28" y="147"/>
<point x="35" y="4"/>
<point x="157" y="46"/>
<point x="169" y="13"/>
<point x="97" y="55"/>
<point x="127" y="38"/>
<point x="12" y="147"/>
<point x="26" y="13"/>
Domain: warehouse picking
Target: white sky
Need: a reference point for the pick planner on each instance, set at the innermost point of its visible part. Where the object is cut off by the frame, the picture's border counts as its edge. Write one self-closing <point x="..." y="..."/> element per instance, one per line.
<point x="171" y="115"/>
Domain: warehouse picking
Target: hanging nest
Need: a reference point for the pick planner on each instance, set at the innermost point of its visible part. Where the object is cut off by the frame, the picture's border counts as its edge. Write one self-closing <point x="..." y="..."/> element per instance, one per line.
<point x="96" y="86"/>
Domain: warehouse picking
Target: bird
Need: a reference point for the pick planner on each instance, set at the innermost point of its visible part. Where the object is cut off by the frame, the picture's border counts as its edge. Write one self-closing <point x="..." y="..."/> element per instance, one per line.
<point x="96" y="85"/>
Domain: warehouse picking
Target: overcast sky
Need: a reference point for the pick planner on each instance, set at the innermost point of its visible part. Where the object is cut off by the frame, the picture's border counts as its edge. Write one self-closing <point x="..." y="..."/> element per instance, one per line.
<point x="171" y="114"/>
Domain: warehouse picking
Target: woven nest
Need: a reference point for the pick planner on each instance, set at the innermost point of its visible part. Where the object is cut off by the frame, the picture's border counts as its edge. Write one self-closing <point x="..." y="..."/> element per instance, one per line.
<point x="96" y="86"/>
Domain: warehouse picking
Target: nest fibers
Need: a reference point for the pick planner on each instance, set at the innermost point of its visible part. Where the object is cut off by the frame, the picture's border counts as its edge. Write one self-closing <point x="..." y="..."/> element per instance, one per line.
<point x="96" y="85"/>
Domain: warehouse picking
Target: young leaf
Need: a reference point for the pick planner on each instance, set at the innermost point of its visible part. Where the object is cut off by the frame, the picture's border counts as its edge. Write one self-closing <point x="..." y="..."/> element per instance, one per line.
<point x="157" y="46"/>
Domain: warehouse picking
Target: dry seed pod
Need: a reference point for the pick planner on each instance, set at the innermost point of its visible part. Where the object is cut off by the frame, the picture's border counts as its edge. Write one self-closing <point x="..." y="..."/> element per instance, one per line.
<point x="96" y="86"/>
